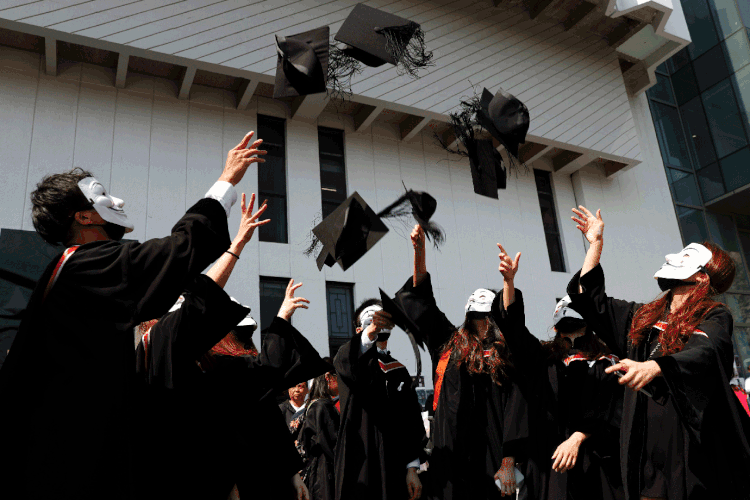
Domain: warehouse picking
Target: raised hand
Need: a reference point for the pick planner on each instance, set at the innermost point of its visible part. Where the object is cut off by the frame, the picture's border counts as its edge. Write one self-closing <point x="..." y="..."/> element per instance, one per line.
<point x="249" y="220"/>
<point x="381" y="320"/>
<point x="291" y="303"/>
<point x="591" y="226"/>
<point x="420" y="259"/>
<point x="417" y="238"/>
<point x="508" y="268"/>
<point x="239" y="159"/>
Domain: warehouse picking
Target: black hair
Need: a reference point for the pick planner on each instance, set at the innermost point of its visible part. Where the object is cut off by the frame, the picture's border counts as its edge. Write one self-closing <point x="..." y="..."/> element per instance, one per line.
<point x="570" y="325"/>
<point x="364" y="305"/>
<point x="320" y="388"/>
<point x="55" y="201"/>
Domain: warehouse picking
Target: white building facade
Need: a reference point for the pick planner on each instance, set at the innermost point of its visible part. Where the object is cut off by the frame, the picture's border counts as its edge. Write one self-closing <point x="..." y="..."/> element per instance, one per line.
<point x="150" y="96"/>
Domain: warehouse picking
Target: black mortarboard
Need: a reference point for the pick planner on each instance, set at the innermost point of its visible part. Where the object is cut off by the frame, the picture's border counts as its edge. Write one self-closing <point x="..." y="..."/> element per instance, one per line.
<point x="376" y="37"/>
<point x="505" y="117"/>
<point x="348" y="233"/>
<point x="402" y="320"/>
<point x="302" y="66"/>
<point x="421" y="205"/>
<point x="487" y="170"/>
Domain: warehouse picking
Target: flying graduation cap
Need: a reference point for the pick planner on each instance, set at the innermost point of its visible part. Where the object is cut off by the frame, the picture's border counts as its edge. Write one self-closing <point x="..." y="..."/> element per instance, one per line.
<point x="375" y="37"/>
<point x="403" y="321"/>
<point x="302" y="64"/>
<point x="420" y="205"/>
<point x="487" y="170"/>
<point x="347" y="233"/>
<point x="505" y="117"/>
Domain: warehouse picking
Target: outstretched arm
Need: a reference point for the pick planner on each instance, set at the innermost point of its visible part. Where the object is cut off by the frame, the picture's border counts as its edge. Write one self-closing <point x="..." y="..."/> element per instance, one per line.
<point x="420" y="259"/>
<point x="224" y="266"/>
<point x="592" y="228"/>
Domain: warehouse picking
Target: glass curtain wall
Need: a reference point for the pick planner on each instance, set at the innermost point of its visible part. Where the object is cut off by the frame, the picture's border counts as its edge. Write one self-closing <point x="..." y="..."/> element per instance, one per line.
<point x="701" y="111"/>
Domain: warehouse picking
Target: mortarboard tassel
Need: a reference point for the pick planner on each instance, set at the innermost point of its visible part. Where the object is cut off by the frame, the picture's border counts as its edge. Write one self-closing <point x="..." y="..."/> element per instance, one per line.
<point x="314" y="241"/>
<point x="403" y="208"/>
<point x="341" y="69"/>
<point x="412" y="55"/>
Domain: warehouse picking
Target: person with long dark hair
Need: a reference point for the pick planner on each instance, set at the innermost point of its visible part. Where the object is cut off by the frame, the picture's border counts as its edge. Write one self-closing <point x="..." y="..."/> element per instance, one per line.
<point x="318" y="436"/>
<point x="480" y="423"/>
<point x="683" y="434"/>
<point x="574" y="405"/>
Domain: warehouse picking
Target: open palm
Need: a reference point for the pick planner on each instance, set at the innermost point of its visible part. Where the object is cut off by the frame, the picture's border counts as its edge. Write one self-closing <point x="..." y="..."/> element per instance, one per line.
<point x="592" y="226"/>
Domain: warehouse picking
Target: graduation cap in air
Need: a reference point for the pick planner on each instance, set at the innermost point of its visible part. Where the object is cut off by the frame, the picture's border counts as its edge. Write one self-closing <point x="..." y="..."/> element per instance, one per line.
<point x="505" y="117"/>
<point x="402" y="320"/>
<point x="487" y="169"/>
<point x="347" y="233"/>
<point x="420" y="205"/>
<point x="302" y="66"/>
<point x="375" y="37"/>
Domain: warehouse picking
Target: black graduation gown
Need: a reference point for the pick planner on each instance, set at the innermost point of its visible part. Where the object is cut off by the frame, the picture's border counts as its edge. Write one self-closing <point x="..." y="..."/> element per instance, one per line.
<point x="318" y="436"/>
<point x="693" y="403"/>
<point x="66" y="384"/>
<point x="565" y="396"/>
<point x="477" y="422"/>
<point x="293" y="418"/>
<point x="222" y="427"/>
<point x="381" y="427"/>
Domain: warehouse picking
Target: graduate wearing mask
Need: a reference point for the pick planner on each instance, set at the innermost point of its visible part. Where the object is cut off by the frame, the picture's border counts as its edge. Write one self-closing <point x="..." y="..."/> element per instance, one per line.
<point x="480" y="421"/>
<point x="381" y="435"/>
<point x="575" y="405"/>
<point x="683" y="434"/>
<point x="198" y="375"/>
<point x="66" y="385"/>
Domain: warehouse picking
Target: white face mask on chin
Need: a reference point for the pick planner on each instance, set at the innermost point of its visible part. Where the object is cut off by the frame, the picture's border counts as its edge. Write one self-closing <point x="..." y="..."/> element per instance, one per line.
<point x="480" y="301"/>
<point x="681" y="266"/>
<point x="107" y="206"/>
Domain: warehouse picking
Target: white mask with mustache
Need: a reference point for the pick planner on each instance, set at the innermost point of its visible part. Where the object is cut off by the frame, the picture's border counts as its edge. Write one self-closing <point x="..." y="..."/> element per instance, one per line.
<point x="687" y="262"/>
<point x="107" y="206"/>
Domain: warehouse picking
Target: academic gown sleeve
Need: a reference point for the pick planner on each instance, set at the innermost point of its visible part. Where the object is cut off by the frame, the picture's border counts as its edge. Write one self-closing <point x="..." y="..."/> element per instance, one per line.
<point x="609" y="318"/>
<point x="320" y="430"/>
<point x="524" y="346"/>
<point x="181" y="337"/>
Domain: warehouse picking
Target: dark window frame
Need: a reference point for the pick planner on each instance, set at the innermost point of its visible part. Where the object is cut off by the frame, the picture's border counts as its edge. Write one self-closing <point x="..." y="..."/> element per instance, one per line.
<point x="330" y="203"/>
<point x="554" y="237"/>
<point x="279" y="214"/>
<point x="264" y="322"/>
<point x="336" y="341"/>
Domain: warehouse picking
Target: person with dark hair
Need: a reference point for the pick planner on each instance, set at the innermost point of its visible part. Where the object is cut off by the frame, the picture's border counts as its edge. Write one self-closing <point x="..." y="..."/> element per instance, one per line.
<point x="574" y="406"/>
<point x="381" y="436"/>
<point x="67" y="382"/>
<point x="293" y="408"/>
<point x="480" y="422"/>
<point x="683" y="434"/>
<point x="318" y="436"/>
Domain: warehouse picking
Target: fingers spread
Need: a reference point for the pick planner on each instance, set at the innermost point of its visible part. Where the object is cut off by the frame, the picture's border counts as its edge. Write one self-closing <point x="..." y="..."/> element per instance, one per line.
<point x="245" y="140"/>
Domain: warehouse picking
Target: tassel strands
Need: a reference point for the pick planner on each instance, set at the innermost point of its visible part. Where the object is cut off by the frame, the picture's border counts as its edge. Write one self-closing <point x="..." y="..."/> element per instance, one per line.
<point x="406" y="44"/>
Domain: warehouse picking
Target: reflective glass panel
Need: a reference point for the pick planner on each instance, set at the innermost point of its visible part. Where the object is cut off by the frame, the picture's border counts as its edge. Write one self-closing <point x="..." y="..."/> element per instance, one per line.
<point x="669" y="132"/>
<point x="711" y="183"/>
<point x="744" y="7"/>
<point x="692" y="225"/>
<point x="662" y="90"/>
<point x="726" y="17"/>
<point x="684" y="187"/>
<point x="679" y="60"/>
<point x="737" y="50"/>
<point x="736" y="169"/>
<point x="699" y="139"/>
<point x="685" y="86"/>
<point x="723" y="233"/>
<point x="741" y="85"/>
<point x="710" y="68"/>
<point x="724" y="119"/>
<point x="272" y="291"/>
<point x="701" y="26"/>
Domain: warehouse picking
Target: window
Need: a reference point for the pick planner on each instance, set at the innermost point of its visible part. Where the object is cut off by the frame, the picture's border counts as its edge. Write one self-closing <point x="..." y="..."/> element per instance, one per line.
<point x="699" y="140"/>
<point x="724" y="119"/>
<point x="736" y="169"/>
<point x="272" y="292"/>
<point x="741" y="84"/>
<point x="710" y="68"/>
<point x="737" y="50"/>
<point x="701" y="26"/>
<point x="712" y="186"/>
<point x="272" y="178"/>
<point x="684" y="188"/>
<point x="685" y="85"/>
<point x="692" y="225"/>
<point x="340" y="303"/>
<point x="669" y="132"/>
<point x="549" y="220"/>
<point x="726" y="17"/>
<point x="662" y="90"/>
<point x="724" y="233"/>
<point x="332" y="168"/>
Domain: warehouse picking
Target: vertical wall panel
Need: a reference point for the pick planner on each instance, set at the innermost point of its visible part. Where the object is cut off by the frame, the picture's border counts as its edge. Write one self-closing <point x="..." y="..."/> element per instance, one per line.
<point x="95" y="131"/>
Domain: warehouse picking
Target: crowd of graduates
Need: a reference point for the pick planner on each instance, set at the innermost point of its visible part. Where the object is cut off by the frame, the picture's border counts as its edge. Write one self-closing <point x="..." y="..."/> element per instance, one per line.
<point x="135" y="376"/>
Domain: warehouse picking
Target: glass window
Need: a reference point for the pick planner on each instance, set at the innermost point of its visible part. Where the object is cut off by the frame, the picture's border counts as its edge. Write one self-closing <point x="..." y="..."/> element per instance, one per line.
<point x="737" y="51"/>
<point x="741" y="85"/>
<point x="332" y="168"/>
<point x="739" y="304"/>
<point x="724" y="119"/>
<point x="743" y="223"/>
<point x="692" y="225"/>
<point x="678" y="60"/>
<point x="549" y="220"/>
<point x="684" y="188"/>
<point x="736" y="169"/>
<point x="711" y="68"/>
<point x="340" y="304"/>
<point x="711" y="183"/>
<point x="744" y="7"/>
<point x="685" y="85"/>
<point x="670" y="135"/>
<point x="662" y="90"/>
<point x="741" y="338"/>
<point x="272" y="178"/>
<point x="701" y="26"/>
<point x="662" y="68"/>
<point x="272" y="292"/>
<point x="726" y="17"/>
<point x="723" y="233"/>
<point x="699" y="139"/>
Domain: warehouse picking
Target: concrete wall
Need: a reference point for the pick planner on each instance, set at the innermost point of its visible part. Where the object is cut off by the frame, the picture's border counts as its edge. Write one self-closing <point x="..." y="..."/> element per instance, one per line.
<point x="160" y="155"/>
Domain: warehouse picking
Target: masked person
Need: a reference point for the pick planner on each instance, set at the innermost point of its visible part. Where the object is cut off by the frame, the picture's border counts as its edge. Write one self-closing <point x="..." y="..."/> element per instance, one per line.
<point x="197" y="375"/>
<point x="66" y="383"/>
<point x="480" y="422"/>
<point x="381" y="435"/>
<point x="318" y="436"/>
<point x="575" y="406"/>
<point x="683" y="434"/>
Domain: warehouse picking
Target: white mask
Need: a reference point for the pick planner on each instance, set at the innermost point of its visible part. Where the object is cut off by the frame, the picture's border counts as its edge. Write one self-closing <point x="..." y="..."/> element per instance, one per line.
<point x="365" y="317"/>
<point x="563" y="310"/>
<point x="247" y="320"/>
<point x="680" y="266"/>
<point x="109" y="207"/>
<point x="480" y="300"/>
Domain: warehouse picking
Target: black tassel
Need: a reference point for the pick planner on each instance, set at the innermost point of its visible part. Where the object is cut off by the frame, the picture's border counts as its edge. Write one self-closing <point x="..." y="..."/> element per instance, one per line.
<point x="464" y="125"/>
<point x="341" y="69"/>
<point x="403" y="210"/>
<point x="315" y="243"/>
<point x="406" y="44"/>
